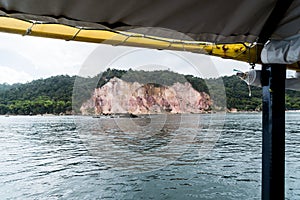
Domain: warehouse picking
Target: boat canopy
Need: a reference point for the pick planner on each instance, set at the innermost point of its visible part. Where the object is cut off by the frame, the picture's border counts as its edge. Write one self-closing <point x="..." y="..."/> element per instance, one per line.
<point x="234" y="29"/>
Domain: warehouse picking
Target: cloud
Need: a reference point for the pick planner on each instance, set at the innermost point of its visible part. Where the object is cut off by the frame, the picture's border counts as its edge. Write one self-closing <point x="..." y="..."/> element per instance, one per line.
<point x="44" y="57"/>
<point x="9" y="75"/>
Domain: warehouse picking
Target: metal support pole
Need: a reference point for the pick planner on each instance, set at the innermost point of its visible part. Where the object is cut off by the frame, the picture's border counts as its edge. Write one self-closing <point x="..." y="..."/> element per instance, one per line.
<point x="273" y="147"/>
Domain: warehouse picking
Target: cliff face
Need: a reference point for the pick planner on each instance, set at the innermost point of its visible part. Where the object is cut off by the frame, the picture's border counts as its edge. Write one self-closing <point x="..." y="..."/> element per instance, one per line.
<point x="118" y="96"/>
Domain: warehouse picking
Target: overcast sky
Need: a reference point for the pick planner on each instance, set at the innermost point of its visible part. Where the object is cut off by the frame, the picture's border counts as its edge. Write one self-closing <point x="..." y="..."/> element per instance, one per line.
<point x="25" y="58"/>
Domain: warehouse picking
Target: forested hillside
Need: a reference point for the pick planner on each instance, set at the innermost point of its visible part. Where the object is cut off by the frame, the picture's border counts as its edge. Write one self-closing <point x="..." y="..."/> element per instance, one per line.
<point x="237" y="94"/>
<point x="51" y="95"/>
<point x="54" y="94"/>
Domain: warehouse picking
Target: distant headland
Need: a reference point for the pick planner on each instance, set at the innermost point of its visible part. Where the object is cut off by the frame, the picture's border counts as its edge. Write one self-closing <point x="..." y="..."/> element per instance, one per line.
<point x="132" y="91"/>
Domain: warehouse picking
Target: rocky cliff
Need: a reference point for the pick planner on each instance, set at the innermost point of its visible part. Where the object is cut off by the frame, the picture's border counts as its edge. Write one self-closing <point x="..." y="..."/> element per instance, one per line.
<point x="118" y="96"/>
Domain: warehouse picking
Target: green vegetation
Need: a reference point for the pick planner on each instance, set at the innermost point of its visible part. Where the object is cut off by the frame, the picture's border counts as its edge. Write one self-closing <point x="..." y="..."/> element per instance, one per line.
<point x="237" y="93"/>
<point x="51" y="95"/>
<point x="54" y="95"/>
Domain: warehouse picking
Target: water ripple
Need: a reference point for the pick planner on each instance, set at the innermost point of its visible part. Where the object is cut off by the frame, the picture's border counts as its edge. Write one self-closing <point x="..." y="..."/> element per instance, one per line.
<point x="49" y="158"/>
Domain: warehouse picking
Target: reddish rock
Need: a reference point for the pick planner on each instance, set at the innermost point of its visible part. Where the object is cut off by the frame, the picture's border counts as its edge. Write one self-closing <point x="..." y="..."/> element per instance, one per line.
<point x="118" y="96"/>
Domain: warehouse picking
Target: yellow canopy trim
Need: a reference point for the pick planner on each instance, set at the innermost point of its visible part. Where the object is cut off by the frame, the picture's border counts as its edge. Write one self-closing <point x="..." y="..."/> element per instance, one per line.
<point x="242" y="52"/>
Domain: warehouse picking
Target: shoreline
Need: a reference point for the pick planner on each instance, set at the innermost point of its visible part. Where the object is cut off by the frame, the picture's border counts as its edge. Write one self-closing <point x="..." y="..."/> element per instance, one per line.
<point x="140" y="115"/>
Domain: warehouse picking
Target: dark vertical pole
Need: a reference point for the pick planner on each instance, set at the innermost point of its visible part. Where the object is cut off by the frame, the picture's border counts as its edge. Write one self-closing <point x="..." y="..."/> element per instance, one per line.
<point x="273" y="149"/>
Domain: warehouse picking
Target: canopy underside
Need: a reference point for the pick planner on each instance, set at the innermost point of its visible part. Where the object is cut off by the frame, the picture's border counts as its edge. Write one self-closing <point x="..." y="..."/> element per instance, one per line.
<point x="243" y="51"/>
<point x="228" y="29"/>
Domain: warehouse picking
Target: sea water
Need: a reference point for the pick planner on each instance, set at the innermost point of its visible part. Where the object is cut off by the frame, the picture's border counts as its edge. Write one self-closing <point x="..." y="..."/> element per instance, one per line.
<point x="76" y="157"/>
